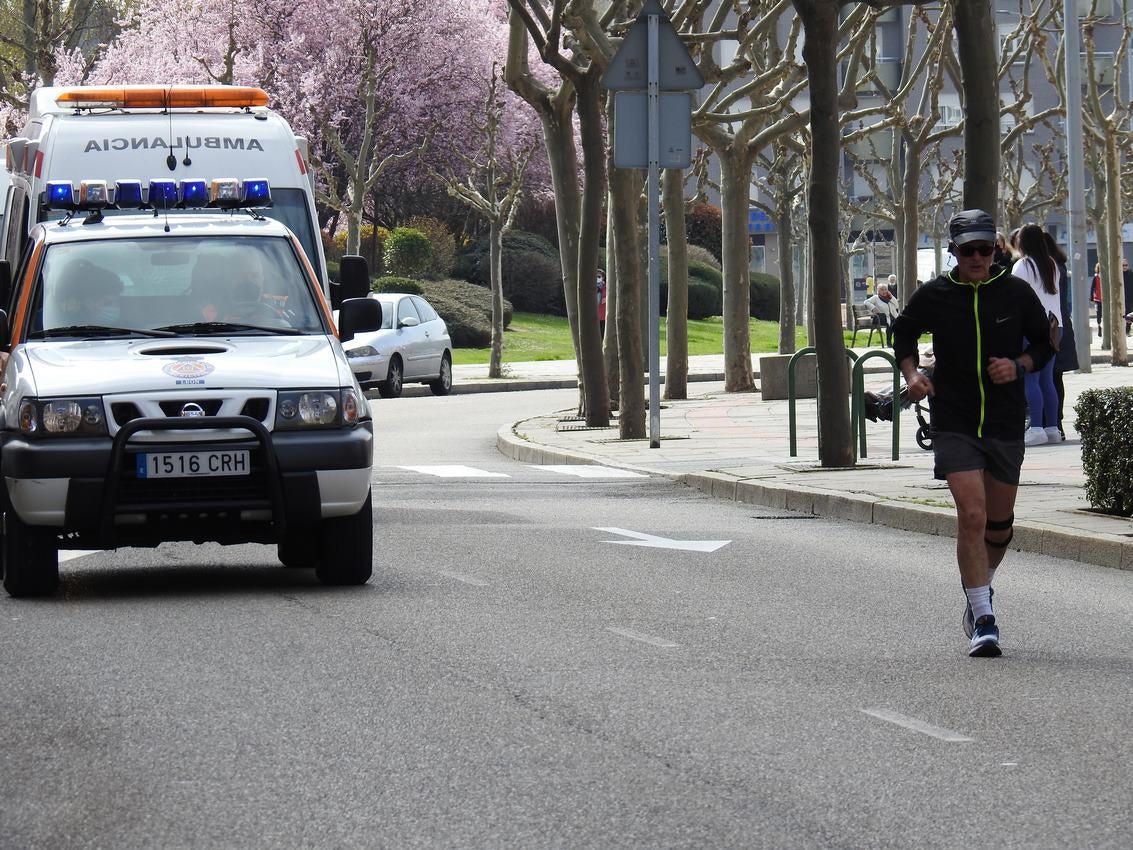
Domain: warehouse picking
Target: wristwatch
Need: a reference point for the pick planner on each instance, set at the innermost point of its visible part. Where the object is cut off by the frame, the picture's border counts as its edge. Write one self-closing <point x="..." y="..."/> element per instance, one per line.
<point x="1020" y="369"/>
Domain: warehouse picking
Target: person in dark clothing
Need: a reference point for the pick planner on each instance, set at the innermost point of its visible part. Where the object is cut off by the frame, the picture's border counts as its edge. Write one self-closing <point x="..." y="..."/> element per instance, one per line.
<point x="1002" y="256"/>
<point x="1127" y="285"/>
<point x="988" y="330"/>
<point x="1066" y="360"/>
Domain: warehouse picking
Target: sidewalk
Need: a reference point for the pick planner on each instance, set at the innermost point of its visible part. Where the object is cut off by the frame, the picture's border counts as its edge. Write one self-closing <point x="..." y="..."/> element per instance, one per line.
<point x="736" y="446"/>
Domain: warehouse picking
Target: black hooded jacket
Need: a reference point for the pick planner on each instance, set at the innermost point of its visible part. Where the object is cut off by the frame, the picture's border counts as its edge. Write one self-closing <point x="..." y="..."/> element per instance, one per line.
<point x="969" y="323"/>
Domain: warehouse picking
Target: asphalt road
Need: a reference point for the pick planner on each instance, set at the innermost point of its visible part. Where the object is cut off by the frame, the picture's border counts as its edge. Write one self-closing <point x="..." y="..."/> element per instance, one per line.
<point x="514" y="676"/>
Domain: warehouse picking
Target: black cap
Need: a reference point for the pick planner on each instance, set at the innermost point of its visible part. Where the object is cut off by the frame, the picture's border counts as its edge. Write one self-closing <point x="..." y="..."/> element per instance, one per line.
<point x="971" y="226"/>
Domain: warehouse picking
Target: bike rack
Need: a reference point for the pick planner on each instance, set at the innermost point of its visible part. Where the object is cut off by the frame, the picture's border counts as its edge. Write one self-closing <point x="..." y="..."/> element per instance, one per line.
<point x="791" y="418"/>
<point x="857" y="401"/>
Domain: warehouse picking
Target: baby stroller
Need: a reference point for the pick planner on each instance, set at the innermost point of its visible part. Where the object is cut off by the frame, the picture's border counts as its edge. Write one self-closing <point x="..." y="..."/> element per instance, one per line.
<point x="879" y="405"/>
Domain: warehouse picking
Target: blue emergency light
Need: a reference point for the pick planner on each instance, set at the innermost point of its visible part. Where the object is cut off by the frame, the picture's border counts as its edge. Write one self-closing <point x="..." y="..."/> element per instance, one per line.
<point x="60" y="195"/>
<point x="162" y="193"/>
<point x="194" y="194"/>
<point x="256" y="193"/>
<point x="128" y="194"/>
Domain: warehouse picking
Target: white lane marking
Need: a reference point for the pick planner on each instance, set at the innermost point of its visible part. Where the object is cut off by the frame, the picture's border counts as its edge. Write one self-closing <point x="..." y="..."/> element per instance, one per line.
<point x="652" y="541"/>
<point x="455" y="471"/>
<point x="475" y="582"/>
<point x="71" y="554"/>
<point x="638" y="636"/>
<point x="916" y="725"/>
<point x="586" y="471"/>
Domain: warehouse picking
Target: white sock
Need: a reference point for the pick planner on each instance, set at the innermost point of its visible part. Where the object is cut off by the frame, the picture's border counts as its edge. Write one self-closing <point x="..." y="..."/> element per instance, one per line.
<point x="980" y="600"/>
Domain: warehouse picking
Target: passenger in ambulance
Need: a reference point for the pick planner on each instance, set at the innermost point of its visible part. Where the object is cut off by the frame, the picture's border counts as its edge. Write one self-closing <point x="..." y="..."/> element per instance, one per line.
<point x="87" y="294"/>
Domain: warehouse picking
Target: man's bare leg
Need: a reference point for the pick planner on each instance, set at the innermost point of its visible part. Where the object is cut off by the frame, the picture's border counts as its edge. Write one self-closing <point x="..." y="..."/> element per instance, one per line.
<point x="970" y="496"/>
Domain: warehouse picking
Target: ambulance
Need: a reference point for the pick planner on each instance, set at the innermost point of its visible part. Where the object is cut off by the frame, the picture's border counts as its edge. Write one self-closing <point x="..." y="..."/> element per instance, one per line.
<point x="170" y="371"/>
<point x="149" y="132"/>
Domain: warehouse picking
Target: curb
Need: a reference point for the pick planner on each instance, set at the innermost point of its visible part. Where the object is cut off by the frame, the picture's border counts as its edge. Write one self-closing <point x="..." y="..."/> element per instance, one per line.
<point x="876" y="510"/>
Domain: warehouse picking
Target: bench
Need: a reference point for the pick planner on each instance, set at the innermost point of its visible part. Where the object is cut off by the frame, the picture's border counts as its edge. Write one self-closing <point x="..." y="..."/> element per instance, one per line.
<point x="864" y="319"/>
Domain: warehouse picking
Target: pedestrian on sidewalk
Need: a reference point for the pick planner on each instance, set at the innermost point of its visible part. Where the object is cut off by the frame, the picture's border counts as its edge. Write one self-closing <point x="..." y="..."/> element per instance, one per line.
<point x="1127" y="285"/>
<point x="978" y="317"/>
<point x="601" y="303"/>
<point x="1066" y="360"/>
<point x="1036" y="266"/>
<point x="1096" y="294"/>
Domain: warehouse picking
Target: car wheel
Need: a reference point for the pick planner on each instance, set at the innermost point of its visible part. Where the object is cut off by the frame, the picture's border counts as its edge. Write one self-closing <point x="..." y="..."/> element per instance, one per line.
<point x="30" y="558"/>
<point x="346" y="545"/>
<point x="391" y="386"/>
<point x="443" y="384"/>
<point x="299" y="550"/>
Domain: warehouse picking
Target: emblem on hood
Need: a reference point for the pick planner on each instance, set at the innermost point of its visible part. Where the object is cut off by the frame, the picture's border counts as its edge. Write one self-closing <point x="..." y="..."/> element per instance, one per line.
<point x="188" y="370"/>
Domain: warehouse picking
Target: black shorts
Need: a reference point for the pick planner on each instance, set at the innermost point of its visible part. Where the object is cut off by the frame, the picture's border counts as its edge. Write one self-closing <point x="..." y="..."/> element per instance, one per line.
<point x="955" y="452"/>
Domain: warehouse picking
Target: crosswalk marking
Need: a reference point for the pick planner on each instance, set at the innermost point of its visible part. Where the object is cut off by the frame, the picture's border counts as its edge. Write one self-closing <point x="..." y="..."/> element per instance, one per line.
<point x="455" y="471"/>
<point x="588" y="471"/>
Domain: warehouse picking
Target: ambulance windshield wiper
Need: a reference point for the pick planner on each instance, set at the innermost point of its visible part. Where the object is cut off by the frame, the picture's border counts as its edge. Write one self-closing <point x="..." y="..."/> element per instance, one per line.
<point x="225" y="327"/>
<point x="98" y="330"/>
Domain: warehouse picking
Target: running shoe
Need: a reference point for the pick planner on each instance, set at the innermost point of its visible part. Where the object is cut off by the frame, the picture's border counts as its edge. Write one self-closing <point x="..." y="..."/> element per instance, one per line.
<point x="985" y="638"/>
<point x="969" y="621"/>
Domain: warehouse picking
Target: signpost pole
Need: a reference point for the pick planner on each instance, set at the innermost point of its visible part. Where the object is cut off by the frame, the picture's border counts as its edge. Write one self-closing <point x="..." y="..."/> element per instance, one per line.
<point x="653" y="93"/>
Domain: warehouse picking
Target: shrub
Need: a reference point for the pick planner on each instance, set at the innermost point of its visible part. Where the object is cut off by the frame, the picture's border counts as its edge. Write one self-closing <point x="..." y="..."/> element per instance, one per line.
<point x="700" y="254"/>
<point x="703" y="299"/>
<point x="396" y="284"/>
<point x="704" y="228"/>
<point x="1105" y="423"/>
<point x="531" y="271"/>
<point x="442" y="242"/>
<point x="408" y="252"/>
<point x="764" y="296"/>
<point x="370" y="247"/>
<point x="706" y="273"/>
<point x="466" y="309"/>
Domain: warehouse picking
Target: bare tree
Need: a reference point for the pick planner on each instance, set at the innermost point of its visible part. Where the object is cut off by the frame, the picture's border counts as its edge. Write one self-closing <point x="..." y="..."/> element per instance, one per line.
<point x="492" y="188"/>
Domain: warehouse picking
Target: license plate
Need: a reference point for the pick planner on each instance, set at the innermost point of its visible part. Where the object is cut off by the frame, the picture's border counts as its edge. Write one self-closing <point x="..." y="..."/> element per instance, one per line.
<point x="193" y="464"/>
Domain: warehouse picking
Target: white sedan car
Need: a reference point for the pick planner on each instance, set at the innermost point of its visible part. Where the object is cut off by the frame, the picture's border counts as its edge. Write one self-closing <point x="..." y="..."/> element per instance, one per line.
<point x="412" y="345"/>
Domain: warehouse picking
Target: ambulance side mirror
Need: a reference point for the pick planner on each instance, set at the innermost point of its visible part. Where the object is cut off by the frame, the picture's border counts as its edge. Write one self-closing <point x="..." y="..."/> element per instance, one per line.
<point x="354" y="280"/>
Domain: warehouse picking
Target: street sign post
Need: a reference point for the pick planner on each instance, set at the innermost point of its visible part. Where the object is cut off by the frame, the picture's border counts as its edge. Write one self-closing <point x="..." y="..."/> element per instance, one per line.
<point x="652" y="59"/>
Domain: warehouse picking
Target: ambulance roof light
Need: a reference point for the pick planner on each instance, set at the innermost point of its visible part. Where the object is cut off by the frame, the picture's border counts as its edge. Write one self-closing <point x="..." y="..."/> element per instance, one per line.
<point x="256" y="193"/>
<point x="93" y="195"/>
<point x="128" y="194"/>
<point x="60" y="195"/>
<point x="162" y="97"/>
<point x="194" y="194"/>
<point x="162" y="194"/>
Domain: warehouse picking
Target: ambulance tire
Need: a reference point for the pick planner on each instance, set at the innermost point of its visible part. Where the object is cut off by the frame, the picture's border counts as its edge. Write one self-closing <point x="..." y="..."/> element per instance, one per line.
<point x="29" y="557"/>
<point x="346" y="547"/>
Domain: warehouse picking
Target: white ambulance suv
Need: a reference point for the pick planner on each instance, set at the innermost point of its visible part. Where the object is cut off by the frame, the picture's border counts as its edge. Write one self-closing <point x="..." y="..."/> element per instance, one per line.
<point x="178" y="378"/>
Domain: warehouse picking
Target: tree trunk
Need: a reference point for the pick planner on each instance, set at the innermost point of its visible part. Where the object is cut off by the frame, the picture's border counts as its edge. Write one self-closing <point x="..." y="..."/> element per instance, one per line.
<point x="1119" y="356"/>
<point x="625" y="190"/>
<point x="976" y="46"/>
<point x="593" y="373"/>
<point x="909" y="216"/>
<point x="676" y="316"/>
<point x="783" y="238"/>
<point x="610" y="341"/>
<point x="735" y="257"/>
<point x="1107" y="272"/>
<point x="820" y="23"/>
<point x="495" y="255"/>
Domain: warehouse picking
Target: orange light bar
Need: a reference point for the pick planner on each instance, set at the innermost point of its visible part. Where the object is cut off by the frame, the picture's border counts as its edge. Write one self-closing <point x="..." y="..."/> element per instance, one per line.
<point x="163" y="97"/>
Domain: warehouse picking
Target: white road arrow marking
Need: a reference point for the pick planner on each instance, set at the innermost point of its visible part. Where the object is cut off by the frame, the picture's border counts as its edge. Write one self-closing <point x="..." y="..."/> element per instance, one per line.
<point x="654" y="542"/>
<point x="916" y="725"/>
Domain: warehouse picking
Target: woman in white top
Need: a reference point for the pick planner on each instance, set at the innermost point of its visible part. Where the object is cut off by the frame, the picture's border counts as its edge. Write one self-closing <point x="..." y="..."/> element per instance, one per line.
<point x="1037" y="267"/>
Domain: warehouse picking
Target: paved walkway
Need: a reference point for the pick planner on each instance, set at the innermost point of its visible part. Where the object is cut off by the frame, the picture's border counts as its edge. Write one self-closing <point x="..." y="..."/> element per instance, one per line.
<point x="736" y="446"/>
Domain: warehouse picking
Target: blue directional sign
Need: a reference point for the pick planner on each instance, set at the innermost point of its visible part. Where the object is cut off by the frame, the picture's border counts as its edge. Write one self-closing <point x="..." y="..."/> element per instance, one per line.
<point x="759" y="222"/>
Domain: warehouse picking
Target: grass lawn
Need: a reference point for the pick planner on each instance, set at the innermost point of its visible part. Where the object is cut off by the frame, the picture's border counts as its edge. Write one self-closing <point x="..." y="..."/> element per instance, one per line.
<point x="532" y="336"/>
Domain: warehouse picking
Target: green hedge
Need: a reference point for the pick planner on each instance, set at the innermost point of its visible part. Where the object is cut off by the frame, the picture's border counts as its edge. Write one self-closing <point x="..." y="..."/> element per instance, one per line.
<point x="1105" y="423"/>
<point x="531" y="270"/>
<point x="764" y="296"/>
<point x="466" y="309"/>
<point x="396" y="284"/>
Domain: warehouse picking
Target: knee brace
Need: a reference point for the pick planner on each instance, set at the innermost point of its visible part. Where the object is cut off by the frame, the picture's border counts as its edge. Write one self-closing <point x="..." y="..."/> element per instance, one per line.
<point x="1000" y="525"/>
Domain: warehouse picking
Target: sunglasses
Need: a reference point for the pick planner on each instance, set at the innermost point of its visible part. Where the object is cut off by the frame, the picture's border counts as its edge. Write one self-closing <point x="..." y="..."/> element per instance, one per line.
<point x="972" y="250"/>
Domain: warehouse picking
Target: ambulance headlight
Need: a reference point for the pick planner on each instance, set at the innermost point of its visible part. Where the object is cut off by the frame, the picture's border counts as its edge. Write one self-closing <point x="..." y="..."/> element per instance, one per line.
<point x="60" y="195"/>
<point x="62" y="417"/>
<point x="162" y="193"/>
<point x="128" y="194"/>
<point x="194" y="194"/>
<point x="256" y="193"/>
